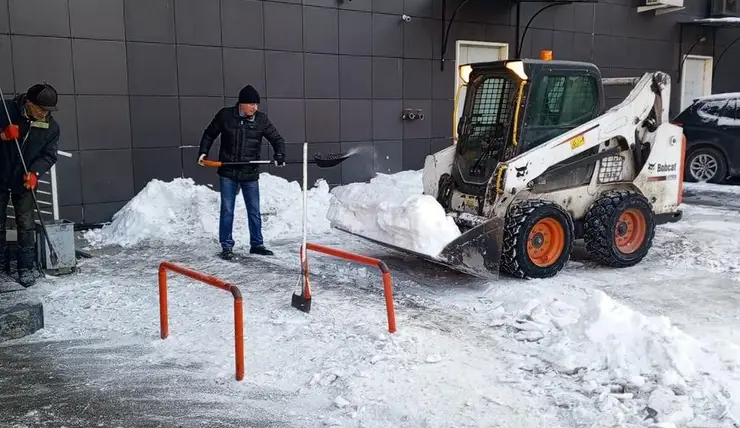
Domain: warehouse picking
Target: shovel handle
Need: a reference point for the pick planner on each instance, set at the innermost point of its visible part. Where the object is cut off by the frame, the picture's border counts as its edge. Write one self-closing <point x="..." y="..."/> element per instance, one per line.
<point x="212" y="164"/>
<point x="218" y="164"/>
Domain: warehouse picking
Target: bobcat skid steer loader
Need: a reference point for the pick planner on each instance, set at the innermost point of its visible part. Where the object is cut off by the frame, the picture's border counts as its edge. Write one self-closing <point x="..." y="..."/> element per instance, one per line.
<point x="538" y="163"/>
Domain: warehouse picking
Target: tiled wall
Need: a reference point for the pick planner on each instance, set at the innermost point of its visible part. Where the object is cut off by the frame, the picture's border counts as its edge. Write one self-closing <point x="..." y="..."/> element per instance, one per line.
<point x="140" y="79"/>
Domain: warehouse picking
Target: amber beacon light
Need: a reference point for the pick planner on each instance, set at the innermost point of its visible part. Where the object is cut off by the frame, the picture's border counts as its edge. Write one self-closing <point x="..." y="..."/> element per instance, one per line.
<point x="546" y="55"/>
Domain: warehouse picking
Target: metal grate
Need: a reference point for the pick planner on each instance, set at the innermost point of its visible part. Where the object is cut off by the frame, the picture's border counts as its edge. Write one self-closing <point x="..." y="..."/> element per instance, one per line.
<point x="490" y="116"/>
<point x="610" y="169"/>
<point x="492" y="107"/>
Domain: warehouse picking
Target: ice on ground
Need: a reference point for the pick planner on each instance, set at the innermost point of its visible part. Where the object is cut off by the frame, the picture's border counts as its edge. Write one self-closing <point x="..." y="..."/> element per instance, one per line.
<point x="627" y="361"/>
<point x="179" y="211"/>
<point x="392" y="209"/>
<point x="699" y="240"/>
<point x="711" y="188"/>
<point x="596" y="363"/>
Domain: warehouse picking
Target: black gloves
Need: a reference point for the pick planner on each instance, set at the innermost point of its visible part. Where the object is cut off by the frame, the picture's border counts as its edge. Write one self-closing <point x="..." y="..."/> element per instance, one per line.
<point x="279" y="159"/>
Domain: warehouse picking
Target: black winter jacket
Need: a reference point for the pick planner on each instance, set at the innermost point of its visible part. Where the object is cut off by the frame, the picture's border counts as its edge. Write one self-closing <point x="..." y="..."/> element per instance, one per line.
<point x="241" y="140"/>
<point x="39" y="142"/>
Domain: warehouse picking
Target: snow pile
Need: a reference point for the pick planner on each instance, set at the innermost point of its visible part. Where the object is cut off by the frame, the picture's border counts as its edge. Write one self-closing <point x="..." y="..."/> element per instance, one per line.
<point x="626" y="362"/>
<point x="180" y="211"/>
<point x="624" y="343"/>
<point x="392" y="209"/>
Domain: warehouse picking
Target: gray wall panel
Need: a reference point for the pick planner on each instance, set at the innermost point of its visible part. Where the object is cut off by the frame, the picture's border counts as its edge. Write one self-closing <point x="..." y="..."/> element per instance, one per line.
<point x="97" y="19"/>
<point x="141" y="79"/>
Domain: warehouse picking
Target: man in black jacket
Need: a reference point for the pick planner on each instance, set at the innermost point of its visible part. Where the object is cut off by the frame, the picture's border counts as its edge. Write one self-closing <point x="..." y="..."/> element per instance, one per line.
<point x="32" y="124"/>
<point x="241" y="128"/>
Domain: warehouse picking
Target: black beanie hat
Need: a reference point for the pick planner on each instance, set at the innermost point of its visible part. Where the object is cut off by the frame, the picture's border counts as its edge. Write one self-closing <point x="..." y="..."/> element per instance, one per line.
<point x="43" y="95"/>
<point x="249" y="95"/>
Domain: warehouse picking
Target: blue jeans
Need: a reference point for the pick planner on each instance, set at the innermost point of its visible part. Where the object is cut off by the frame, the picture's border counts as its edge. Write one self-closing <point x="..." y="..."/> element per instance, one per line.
<point x="251" y="191"/>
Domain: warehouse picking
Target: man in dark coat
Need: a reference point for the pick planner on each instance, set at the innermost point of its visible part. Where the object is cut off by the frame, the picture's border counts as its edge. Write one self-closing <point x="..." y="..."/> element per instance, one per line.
<point x="33" y="126"/>
<point x="241" y="128"/>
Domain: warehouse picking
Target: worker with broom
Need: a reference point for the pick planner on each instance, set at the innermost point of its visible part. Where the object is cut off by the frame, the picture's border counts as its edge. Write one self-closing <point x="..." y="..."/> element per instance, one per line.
<point x="28" y="149"/>
<point x="241" y="127"/>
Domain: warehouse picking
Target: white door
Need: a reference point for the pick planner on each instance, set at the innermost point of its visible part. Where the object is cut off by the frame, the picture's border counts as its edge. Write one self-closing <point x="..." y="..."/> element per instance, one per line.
<point x="696" y="79"/>
<point x="469" y="52"/>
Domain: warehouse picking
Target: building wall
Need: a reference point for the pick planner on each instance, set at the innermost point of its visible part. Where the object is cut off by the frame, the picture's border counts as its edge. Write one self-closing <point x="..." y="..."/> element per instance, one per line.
<point x="140" y="79"/>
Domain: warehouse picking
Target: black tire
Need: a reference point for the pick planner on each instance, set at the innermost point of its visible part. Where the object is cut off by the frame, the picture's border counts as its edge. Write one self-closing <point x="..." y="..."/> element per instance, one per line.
<point x="521" y="219"/>
<point x="708" y="153"/>
<point x="602" y="226"/>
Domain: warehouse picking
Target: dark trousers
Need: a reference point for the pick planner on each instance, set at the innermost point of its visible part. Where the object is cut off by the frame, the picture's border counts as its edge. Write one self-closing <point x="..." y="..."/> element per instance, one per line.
<point x="251" y="192"/>
<point x="25" y="225"/>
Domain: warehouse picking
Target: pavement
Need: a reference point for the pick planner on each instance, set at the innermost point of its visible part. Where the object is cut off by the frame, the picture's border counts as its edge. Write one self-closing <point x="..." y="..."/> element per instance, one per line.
<point x="83" y="383"/>
<point x="92" y="384"/>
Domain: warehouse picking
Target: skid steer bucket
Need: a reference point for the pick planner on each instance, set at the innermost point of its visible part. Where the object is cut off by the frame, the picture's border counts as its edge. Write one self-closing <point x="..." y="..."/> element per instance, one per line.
<point x="476" y="252"/>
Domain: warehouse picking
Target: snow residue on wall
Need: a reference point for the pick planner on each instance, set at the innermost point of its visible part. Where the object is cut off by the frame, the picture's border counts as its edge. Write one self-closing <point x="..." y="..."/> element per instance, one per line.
<point x="179" y="211"/>
<point x="392" y="209"/>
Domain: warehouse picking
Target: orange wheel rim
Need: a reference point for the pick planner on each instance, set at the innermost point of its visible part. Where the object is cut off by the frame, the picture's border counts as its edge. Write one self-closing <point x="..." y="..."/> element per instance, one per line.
<point x="630" y="231"/>
<point x="546" y="242"/>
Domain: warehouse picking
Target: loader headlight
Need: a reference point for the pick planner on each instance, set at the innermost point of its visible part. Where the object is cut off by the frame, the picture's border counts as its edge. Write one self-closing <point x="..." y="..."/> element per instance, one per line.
<point x="464" y="72"/>
<point x="518" y="68"/>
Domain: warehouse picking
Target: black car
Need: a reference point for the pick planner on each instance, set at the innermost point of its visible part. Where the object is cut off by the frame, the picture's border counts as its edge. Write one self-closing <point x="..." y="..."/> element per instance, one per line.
<point x="712" y="129"/>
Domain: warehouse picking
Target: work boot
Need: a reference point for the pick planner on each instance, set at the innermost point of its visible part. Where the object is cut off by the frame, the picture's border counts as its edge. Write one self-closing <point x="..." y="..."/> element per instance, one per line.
<point x="227" y="254"/>
<point x="26" y="277"/>
<point x="261" y="250"/>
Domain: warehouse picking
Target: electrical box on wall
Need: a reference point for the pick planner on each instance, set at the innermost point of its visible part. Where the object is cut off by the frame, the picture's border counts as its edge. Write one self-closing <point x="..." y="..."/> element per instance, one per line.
<point x="725" y="9"/>
<point x="661" y="6"/>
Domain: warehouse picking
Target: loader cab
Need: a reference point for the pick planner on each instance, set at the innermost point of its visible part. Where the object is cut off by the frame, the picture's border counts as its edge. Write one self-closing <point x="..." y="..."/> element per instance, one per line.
<point x="514" y="106"/>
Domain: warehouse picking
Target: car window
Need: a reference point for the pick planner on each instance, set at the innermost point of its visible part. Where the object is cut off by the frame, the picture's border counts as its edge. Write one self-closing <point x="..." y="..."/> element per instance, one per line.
<point x="728" y="115"/>
<point x="718" y="112"/>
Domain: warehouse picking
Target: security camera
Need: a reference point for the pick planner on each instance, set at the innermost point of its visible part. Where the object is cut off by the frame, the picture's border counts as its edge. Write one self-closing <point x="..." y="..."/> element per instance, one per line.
<point x="406" y="18"/>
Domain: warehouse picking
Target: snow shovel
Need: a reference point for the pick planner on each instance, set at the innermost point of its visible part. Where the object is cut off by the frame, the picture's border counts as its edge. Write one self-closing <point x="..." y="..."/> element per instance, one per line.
<point x="322" y="161"/>
<point x="302" y="301"/>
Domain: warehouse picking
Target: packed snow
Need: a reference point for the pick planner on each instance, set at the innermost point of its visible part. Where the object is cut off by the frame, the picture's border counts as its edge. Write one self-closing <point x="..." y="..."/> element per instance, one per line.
<point x="181" y="211"/>
<point x="392" y="209"/>
<point x="558" y="352"/>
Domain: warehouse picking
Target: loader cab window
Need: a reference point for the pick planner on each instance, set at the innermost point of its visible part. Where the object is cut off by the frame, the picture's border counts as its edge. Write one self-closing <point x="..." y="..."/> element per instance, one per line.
<point x="485" y="125"/>
<point x="558" y="104"/>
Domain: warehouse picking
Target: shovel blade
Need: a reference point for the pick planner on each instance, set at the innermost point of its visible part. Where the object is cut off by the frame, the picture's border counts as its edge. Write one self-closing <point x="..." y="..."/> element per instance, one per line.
<point x="301" y="302"/>
<point x="477" y="252"/>
<point x="330" y="160"/>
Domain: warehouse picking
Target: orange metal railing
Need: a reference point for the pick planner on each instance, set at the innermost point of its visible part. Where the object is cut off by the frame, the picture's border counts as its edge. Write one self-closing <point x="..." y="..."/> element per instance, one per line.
<point x="210" y="280"/>
<point x="357" y="258"/>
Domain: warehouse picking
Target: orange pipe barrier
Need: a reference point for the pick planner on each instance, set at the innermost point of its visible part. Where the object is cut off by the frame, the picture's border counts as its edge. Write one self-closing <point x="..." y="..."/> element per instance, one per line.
<point x="210" y="280"/>
<point x="306" y="284"/>
<point x="365" y="260"/>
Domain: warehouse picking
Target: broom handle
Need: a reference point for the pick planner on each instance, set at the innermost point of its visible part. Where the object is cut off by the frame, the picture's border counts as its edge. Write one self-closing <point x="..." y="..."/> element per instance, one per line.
<point x="305" y="208"/>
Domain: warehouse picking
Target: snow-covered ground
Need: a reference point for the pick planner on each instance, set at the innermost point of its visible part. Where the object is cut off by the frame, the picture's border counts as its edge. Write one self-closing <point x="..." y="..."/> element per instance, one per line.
<point x="652" y="345"/>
